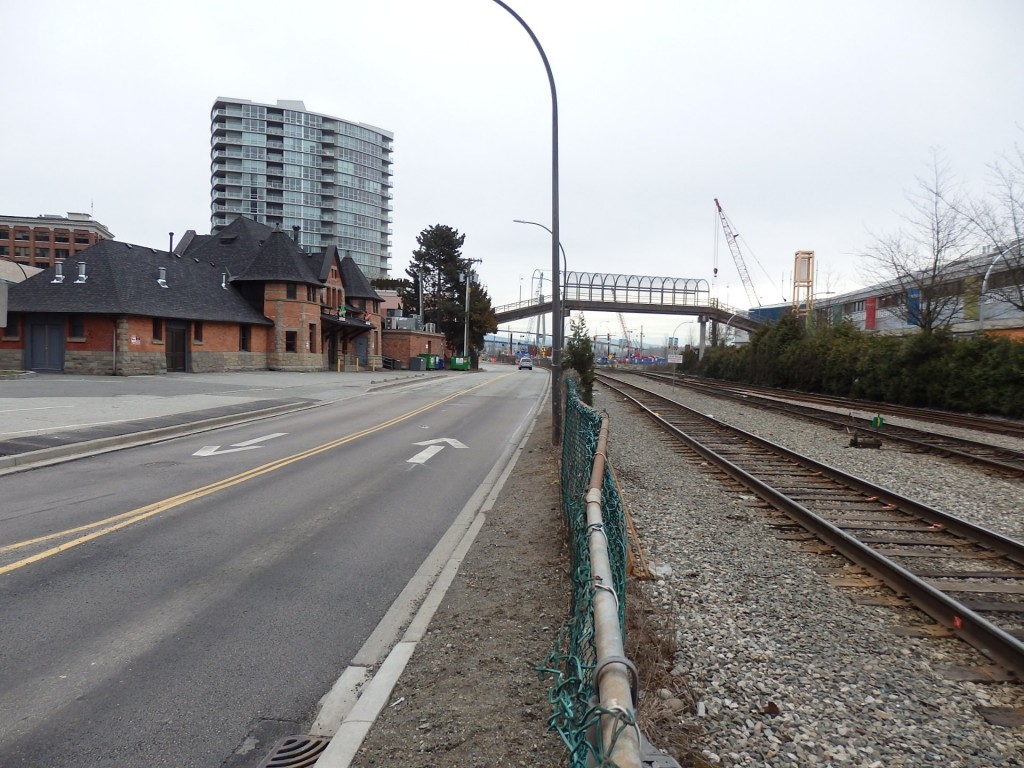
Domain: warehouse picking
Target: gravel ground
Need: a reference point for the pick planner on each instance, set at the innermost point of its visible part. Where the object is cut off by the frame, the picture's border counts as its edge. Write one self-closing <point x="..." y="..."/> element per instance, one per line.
<point x="759" y="662"/>
<point x="783" y="669"/>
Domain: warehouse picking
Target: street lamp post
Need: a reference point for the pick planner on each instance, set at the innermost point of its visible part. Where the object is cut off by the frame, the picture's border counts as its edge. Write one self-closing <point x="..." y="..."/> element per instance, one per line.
<point x="556" y="302"/>
<point x="675" y="365"/>
<point x="565" y="269"/>
<point x="565" y="276"/>
<point x="984" y="290"/>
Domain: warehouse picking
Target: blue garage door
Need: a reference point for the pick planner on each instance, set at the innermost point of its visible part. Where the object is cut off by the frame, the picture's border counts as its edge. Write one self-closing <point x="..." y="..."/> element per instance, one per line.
<point x="45" y="345"/>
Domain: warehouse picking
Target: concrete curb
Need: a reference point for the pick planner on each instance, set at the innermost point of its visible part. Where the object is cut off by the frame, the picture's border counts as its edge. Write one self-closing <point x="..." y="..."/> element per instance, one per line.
<point x="357" y="710"/>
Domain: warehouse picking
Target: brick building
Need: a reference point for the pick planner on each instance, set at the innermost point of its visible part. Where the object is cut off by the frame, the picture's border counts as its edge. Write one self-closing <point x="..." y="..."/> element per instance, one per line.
<point x="246" y="298"/>
<point x="40" y="241"/>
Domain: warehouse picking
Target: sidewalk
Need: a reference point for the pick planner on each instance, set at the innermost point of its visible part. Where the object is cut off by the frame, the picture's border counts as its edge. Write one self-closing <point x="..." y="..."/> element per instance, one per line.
<point x="45" y="418"/>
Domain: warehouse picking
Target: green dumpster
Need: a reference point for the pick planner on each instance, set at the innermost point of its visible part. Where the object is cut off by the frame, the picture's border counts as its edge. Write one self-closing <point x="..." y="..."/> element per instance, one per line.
<point x="460" y="364"/>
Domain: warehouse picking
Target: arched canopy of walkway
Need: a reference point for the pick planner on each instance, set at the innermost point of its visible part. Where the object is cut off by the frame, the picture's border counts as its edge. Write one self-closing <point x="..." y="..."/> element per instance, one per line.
<point x="596" y="287"/>
<point x="602" y="292"/>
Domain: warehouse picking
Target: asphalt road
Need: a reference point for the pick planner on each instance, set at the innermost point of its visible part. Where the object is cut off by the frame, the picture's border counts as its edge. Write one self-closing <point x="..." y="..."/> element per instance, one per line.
<point x="175" y="604"/>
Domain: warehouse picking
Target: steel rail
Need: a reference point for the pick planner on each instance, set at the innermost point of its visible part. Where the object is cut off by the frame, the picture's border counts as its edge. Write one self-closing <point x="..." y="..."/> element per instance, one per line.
<point x="1006" y="461"/>
<point x="973" y="628"/>
<point x="992" y="425"/>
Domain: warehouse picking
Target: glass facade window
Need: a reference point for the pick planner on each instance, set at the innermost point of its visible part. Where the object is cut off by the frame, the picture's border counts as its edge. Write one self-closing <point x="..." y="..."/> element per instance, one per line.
<point x="286" y="167"/>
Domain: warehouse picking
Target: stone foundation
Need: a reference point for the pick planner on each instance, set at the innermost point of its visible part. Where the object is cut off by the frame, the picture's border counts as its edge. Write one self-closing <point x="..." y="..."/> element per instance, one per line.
<point x="91" y="363"/>
<point x="297" y="362"/>
<point x="140" y="364"/>
<point x="214" y="362"/>
<point x="12" y="360"/>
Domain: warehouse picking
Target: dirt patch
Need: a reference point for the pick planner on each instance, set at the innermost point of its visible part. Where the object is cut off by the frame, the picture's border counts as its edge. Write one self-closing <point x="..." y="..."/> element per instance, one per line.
<point x="471" y="694"/>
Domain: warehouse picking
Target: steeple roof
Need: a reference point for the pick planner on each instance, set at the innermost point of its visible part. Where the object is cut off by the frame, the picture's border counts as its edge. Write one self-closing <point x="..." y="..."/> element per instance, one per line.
<point x="254" y="252"/>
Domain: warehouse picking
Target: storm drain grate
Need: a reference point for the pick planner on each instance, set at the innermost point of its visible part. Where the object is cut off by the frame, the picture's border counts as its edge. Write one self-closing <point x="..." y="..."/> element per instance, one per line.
<point x="296" y="752"/>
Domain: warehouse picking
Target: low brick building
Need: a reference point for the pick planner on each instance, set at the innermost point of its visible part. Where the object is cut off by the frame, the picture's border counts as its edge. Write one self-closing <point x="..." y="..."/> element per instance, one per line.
<point x="247" y="298"/>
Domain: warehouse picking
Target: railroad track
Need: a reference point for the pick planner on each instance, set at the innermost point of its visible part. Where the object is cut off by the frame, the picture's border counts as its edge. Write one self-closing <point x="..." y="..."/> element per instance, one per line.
<point x="968" y="579"/>
<point x="991" y="425"/>
<point x="1004" y="461"/>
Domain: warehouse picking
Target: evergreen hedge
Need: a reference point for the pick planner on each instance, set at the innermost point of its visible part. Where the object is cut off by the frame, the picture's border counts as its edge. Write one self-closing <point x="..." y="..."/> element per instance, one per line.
<point x="983" y="375"/>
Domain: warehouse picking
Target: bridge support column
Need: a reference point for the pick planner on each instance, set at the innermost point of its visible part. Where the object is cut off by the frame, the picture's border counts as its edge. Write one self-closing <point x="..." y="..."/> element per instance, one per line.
<point x="703" y="320"/>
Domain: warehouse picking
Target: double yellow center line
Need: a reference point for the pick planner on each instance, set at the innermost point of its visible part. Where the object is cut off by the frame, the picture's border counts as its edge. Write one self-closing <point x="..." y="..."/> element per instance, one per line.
<point x="123" y="520"/>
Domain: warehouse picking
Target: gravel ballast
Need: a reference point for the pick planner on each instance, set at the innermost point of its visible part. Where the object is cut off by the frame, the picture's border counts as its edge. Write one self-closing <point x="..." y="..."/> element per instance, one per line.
<point x="786" y="670"/>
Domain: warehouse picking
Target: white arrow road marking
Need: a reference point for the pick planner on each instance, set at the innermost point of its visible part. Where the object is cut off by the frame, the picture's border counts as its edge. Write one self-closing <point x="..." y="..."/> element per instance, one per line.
<point x="433" y="449"/>
<point x="424" y="455"/>
<point x="450" y="440"/>
<point x="246" y="445"/>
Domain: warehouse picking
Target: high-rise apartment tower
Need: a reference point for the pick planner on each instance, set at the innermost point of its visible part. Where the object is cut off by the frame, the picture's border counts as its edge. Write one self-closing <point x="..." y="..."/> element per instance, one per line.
<point x="283" y="166"/>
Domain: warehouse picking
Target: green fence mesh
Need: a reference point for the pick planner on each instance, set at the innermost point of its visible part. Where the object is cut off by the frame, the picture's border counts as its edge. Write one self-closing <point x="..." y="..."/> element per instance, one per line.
<point x="573" y="693"/>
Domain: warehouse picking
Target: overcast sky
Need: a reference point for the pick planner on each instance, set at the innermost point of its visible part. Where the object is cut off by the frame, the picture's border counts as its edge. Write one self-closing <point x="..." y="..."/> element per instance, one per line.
<point x="808" y="120"/>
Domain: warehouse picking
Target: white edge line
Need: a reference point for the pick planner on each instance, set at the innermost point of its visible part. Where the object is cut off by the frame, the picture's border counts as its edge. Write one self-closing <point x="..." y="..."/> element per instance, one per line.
<point x="355" y="724"/>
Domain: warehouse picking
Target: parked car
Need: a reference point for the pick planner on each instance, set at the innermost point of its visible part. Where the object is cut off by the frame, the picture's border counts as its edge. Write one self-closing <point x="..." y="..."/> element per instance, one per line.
<point x="525" y="362"/>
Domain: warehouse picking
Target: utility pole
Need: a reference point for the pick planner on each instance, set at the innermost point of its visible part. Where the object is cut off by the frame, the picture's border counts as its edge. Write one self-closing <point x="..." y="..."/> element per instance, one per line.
<point x="469" y="282"/>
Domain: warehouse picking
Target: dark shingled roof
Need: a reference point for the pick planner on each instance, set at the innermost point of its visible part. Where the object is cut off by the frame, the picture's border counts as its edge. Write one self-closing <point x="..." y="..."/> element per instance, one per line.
<point x="122" y="279"/>
<point x="356" y="284"/>
<point x="254" y="252"/>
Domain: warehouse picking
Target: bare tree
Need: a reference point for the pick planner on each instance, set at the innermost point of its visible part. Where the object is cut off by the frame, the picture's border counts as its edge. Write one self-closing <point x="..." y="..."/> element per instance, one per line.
<point x="923" y="264"/>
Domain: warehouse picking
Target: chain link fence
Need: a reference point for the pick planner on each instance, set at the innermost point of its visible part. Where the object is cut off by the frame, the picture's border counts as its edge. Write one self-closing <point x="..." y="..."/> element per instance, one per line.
<point x="592" y="731"/>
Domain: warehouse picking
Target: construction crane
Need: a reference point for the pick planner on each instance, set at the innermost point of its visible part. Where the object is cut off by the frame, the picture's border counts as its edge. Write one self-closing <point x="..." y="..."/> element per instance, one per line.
<point x="734" y="247"/>
<point x="630" y="345"/>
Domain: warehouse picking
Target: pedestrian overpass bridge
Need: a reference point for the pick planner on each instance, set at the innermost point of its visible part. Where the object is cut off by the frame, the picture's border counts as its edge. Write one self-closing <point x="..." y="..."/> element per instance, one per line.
<point x="637" y="294"/>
